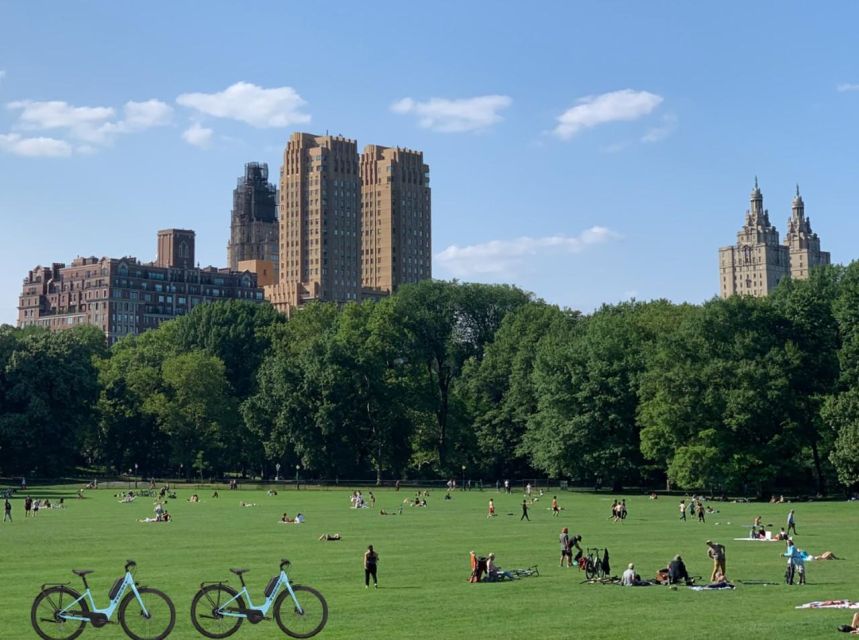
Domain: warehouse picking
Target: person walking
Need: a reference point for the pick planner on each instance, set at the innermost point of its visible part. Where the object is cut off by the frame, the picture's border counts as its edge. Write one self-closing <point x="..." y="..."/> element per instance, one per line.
<point x="556" y="510"/>
<point x="716" y="552"/>
<point x="7" y="511"/>
<point x="700" y="509"/>
<point x="371" y="562"/>
<point x="507" y="487"/>
<point x="683" y="510"/>
<point x="28" y="506"/>
<point x="524" y="511"/>
<point x="791" y="522"/>
<point x="491" y="513"/>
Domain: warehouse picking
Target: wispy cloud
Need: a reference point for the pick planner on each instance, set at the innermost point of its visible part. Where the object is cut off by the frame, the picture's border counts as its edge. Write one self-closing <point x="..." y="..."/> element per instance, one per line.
<point x="455" y="115"/>
<point x="662" y="131"/>
<point x="198" y="136"/>
<point x="249" y="103"/>
<point x="18" y="145"/>
<point x="502" y="257"/>
<point x="92" y="126"/>
<point x="847" y="86"/>
<point x="590" y="111"/>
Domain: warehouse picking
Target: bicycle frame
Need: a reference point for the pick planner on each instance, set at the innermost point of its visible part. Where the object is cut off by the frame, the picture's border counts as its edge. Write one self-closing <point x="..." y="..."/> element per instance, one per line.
<point x="283" y="581"/>
<point x="127" y="583"/>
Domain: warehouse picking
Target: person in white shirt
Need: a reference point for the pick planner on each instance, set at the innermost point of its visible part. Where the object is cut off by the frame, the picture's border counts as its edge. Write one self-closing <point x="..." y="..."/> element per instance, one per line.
<point x="628" y="577"/>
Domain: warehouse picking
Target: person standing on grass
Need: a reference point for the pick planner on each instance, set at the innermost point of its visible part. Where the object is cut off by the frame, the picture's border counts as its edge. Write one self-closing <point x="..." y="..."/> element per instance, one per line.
<point x="525" y="511"/>
<point x="371" y="562"/>
<point x="28" y="506"/>
<point x="556" y="510"/>
<point x="717" y="553"/>
<point x="791" y="522"/>
<point x="683" y="510"/>
<point x="7" y="511"/>
<point x="491" y="513"/>
<point x="507" y="486"/>
<point x="566" y="552"/>
<point x="700" y="508"/>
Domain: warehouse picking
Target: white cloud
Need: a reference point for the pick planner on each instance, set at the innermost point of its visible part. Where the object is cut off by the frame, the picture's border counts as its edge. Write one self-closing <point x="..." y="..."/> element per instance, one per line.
<point x="655" y="134"/>
<point x="198" y="135"/>
<point x="501" y="257"/>
<point x="457" y="115"/>
<point x="590" y="111"/>
<point x="847" y="86"/>
<point x="18" y="145"/>
<point x="259" y="107"/>
<point x="93" y="125"/>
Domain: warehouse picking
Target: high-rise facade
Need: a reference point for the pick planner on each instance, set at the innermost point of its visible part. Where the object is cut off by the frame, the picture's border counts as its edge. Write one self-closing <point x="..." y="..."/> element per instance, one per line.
<point x="253" y="221"/>
<point x="395" y="219"/>
<point x="123" y="296"/>
<point x="350" y="227"/>
<point x="758" y="261"/>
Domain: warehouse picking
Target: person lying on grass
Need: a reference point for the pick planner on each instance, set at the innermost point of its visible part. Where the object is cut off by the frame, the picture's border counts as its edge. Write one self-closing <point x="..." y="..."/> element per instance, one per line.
<point x="330" y="537"/>
<point x="853" y="627"/>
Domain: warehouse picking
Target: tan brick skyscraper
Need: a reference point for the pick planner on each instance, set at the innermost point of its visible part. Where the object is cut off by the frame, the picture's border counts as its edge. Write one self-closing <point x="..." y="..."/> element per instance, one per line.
<point x="395" y="219"/>
<point x="319" y="222"/>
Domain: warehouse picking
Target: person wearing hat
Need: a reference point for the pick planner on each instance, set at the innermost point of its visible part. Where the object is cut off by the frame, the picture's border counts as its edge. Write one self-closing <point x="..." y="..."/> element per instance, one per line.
<point x="717" y="553"/>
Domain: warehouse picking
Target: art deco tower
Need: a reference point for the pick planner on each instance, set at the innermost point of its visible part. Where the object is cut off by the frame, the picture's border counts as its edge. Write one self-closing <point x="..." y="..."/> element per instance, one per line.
<point x="395" y="219"/>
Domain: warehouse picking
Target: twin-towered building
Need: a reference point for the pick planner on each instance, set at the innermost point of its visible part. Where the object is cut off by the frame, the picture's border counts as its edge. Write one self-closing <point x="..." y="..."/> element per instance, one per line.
<point x="758" y="262"/>
<point x="351" y="226"/>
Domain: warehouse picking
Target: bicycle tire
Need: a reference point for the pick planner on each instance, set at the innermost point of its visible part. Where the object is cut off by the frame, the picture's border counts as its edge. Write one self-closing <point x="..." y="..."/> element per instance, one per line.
<point x="159" y="634"/>
<point x="76" y="626"/>
<point x="312" y="594"/>
<point x="590" y="569"/>
<point x="210" y="605"/>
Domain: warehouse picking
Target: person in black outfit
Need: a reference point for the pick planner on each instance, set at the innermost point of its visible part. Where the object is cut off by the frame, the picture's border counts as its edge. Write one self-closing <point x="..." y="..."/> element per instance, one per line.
<point x="7" y="508"/>
<point x="525" y="511"/>
<point x="677" y="571"/>
<point x="371" y="561"/>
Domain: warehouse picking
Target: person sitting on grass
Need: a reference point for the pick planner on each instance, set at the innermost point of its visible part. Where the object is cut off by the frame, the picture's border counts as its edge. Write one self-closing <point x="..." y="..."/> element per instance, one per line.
<point x="247" y="504"/>
<point x="628" y="579"/>
<point x="215" y="494"/>
<point x="494" y="572"/>
<point x="271" y="492"/>
<point x="285" y="519"/>
<point x="194" y="498"/>
<point x="677" y="571"/>
<point x="853" y="627"/>
<point x="330" y="537"/>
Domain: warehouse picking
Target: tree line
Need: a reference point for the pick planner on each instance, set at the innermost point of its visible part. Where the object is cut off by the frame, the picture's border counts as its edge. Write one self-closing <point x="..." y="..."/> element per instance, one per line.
<point x="744" y="395"/>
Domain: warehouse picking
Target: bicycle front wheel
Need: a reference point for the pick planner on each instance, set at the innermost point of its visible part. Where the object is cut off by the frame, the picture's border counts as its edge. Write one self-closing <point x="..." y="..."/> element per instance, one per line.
<point x="155" y="622"/>
<point x="305" y="620"/>
<point x="590" y="569"/>
<point x="207" y="607"/>
<point x="45" y="614"/>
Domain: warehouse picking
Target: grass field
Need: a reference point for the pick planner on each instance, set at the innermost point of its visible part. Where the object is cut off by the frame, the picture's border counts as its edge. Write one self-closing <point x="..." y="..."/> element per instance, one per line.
<point x="424" y="563"/>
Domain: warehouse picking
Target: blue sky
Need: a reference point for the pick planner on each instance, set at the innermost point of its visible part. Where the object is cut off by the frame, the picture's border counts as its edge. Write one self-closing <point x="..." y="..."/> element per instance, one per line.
<point x="588" y="152"/>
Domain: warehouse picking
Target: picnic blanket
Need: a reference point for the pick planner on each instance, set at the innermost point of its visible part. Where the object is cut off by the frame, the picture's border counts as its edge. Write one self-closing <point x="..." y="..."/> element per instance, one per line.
<point x="713" y="587"/>
<point x="756" y="540"/>
<point x="829" y="604"/>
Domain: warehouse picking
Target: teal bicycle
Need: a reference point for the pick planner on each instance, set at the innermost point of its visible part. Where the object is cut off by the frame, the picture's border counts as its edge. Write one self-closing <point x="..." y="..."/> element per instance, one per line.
<point x="218" y="610"/>
<point x="61" y="613"/>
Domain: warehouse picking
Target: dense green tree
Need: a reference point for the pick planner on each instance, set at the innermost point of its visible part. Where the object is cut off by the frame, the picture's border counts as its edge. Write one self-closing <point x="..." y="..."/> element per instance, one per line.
<point x="48" y="389"/>
<point x="445" y="324"/>
<point x="499" y="390"/>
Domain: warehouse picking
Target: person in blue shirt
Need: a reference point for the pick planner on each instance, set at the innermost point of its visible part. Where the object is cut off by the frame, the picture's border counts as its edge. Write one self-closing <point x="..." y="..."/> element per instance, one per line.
<point x="795" y="562"/>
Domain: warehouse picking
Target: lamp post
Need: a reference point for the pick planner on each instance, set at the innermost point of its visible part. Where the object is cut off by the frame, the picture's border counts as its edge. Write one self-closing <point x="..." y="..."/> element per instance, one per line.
<point x="135" y="475"/>
<point x="463" y="477"/>
<point x="129" y="479"/>
<point x="297" y="467"/>
<point x="277" y="472"/>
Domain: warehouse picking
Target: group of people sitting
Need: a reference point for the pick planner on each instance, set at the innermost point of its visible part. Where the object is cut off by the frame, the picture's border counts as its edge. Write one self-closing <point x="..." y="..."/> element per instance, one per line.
<point x="358" y="502"/>
<point x="484" y="569"/>
<point x="32" y="507"/>
<point x="161" y="515"/>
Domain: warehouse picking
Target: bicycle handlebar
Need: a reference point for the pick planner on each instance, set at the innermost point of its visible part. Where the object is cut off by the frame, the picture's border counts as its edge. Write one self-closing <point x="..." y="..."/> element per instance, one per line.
<point x="129" y="564"/>
<point x="284" y="563"/>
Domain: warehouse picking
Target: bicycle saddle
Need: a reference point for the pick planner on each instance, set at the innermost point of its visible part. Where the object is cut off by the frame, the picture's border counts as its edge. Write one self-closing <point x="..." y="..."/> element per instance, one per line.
<point x="82" y="572"/>
<point x="239" y="572"/>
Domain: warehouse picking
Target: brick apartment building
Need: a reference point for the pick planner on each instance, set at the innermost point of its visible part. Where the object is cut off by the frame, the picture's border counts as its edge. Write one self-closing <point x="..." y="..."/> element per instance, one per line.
<point x="123" y="296"/>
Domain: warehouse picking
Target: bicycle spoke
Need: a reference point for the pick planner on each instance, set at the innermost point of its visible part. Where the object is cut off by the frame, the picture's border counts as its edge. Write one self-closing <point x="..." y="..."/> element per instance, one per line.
<point x="152" y="621"/>
<point x="206" y="607"/>
<point x="305" y="619"/>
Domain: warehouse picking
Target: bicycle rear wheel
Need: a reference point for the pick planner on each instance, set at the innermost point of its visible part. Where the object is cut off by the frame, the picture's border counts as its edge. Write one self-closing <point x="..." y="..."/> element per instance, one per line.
<point x="305" y="622"/>
<point x="206" y="607"/>
<point x="155" y="623"/>
<point x="590" y="568"/>
<point x="45" y="614"/>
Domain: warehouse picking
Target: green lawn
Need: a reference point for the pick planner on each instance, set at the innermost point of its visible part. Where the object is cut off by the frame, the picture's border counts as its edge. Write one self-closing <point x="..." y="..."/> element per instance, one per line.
<point x="424" y="563"/>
